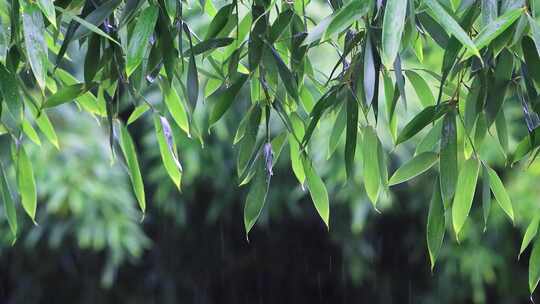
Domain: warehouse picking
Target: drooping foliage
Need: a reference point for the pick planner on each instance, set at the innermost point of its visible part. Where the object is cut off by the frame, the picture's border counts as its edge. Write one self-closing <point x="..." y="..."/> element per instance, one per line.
<point x="262" y="47"/>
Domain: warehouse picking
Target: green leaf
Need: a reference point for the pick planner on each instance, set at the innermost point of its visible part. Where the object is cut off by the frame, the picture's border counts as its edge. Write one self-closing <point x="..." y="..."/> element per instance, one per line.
<point x="224" y="97"/>
<point x="9" y="204"/>
<point x="416" y="166"/>
<point x="167" y="149"/>
<point x="486" y="195"/>
<point x="534" y="266"/>
<point x="130" y="155"/>
<point x="337" y="130"/>
<point x="496" y="27"/>
<point x="295" y="156"/>
<point x="530" y="233"/>
<point x="47" y="7"/>
<point x="435" y="224"/>
<point x="175" y="106"/>
<point x="256" y="196"/>
<point x="26" y="183"/>
<point x="92" y="22"/>
<point x="451" y="26"/>
<point x="421" y="88"/>
<point x="44" y="124"/>
<point x="448" y="165"/>
<point x="9" y="87"/>
<point x="318" y="192"/>
<point x="466" y="185"/>
<point x="532" y="58"/>
<point x="284" y="73"/>
<point x="67" y="94"/>
<point x="500" y="194"/>
<point x="220" y="20"/>
<point x="345" y="16"/>
<point x="422" y="119"/>
<point x="352" y="132"/>
<point x="138" y="112"/>
<point x="140" y="37"/>
<point x="393" y="24"/>
<point x="430" y="140"/>
<point x="34" y="42"/>
<point x="502" y="131"/>
<point x="30" y="132"/>
<point x="372" y="172"/>
<point x="86" y="29"/>
<point x="192" y="75"/>
<point x="281" y="23"/>
<point x="208" y="45"/>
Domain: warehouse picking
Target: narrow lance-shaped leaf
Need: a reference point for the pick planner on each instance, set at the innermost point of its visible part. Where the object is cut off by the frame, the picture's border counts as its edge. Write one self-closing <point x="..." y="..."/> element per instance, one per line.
<point x="284" y="73"/>
<point x="130" y="155"/>
<point x="224" y="97"/>
<point x="421" y="88"/>
<point x="372" y="172"/>
<point x="175" y="106"/>
<point x="346" y="15"/>
<point x="530" y="233"/>
<point x="256" y="197"/>
<point x="496" y="27"/>
<point x="26" y="183"/>
<point x="317" y="189"/>
<point x="500" y="194"/>
<point x="47" y="7"/>
<point x="352" y="132"/>
<point x="34" y="42"/>
<point x="337" y="130"/>
<point x="67" y="94"/>
<point x="167" y="148"/>
<point x="192" y="74"/>
<point x="422" y="119"/>
<point x="448" y="165"/>
<point x="9" y="89"/>
<point x="465" y="188"/>
<point x="369" y="72"/>
<point x="140" y="37"/>
<point x="534" y="266"/>
<point x="208" y="45"/>
<point x="393" y="24"/>
<point x="486" y="196"/>
<point x="451" y="26"/>
<point x="9" y="204"/>
<point x="414" y="167"/>
<point x="92" y="22"/>
<point x="435" y="224"/>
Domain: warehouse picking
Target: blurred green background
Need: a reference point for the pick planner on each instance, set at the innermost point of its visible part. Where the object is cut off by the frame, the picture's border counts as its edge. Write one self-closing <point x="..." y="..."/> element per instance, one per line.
<point x="91" y="244"/>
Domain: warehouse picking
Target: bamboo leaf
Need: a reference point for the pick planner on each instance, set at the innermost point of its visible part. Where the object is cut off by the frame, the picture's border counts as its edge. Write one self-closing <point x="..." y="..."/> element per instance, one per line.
<point x="466" y="185"/>
<point x="451" y="26"/>
<point x="140" y="37"/>
<point x="175" y="106"/>
<point x="352" y="132"/>
<point x="414" y="167"/>
<point x="421" y="88"/>
<point x="167" y="149"/>
<point x="34" y="42"/>
<point x="500" y="194"/>
<point x="345" y="16"/>
<point x="26" y="183"/>
<point x="256" y="197"/>
<point x="223" y="98"/>
<point x="534" y="266"/>
<point x="448" y="165"/>
<point x="47" y="7"/>
<point x="530" y="233"/>
<point x="372" y="172"/>
<point x="422" y="119"/>
<point x="393" y="24"/>
<point x="9" y="204"/>
<point x="435" y="224"/>
<point x="317" y="190"/>
<point x="67" y="94"/>
<point x="130" y="155"/>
